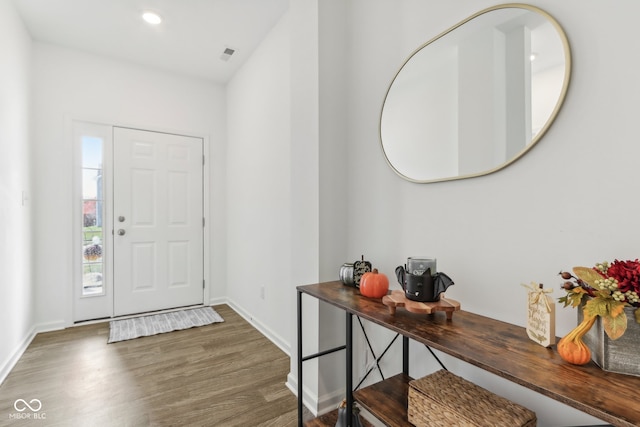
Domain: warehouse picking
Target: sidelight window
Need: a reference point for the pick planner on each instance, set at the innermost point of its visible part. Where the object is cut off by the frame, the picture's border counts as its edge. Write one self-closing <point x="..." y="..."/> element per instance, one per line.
<point x="92" y="216"/>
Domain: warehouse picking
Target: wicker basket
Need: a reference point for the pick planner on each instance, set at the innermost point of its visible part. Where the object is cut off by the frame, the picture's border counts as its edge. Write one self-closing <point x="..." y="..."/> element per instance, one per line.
<point x="443" y="399"/>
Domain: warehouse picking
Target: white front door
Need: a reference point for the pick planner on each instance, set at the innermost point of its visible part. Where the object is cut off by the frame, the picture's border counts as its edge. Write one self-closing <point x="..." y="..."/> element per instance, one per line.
<point x="157" y="221"/>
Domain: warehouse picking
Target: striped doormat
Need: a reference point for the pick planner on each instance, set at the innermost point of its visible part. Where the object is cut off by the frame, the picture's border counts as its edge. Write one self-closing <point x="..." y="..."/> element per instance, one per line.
<point x="127" y="329"/>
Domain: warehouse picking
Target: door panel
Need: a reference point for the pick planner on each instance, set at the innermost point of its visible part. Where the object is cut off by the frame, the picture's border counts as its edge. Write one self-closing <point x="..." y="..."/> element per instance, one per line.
<point x="158" y="221"/>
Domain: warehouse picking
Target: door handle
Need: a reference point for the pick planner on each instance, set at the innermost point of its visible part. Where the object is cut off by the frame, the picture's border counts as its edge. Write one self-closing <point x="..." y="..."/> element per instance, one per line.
<point x="121" y="232"/>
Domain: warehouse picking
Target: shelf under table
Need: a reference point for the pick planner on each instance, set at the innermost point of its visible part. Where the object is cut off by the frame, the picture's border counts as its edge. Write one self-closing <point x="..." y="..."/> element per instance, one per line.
<point x="387" y="400"/>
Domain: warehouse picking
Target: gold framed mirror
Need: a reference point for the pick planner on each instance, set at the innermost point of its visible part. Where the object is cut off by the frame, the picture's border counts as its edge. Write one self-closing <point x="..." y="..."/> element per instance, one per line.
<point x="477" y="97"/>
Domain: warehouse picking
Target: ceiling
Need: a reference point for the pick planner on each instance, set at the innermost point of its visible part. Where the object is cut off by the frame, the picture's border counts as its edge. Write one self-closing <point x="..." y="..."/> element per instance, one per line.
<point x="189" y="41"/>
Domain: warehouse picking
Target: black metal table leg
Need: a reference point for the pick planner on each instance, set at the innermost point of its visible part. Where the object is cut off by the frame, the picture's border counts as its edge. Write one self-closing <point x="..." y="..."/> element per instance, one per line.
<point x="302" y="358"/>
<point x="405" y="355"/>
<point x="349" y="386"/>
<point x="299" y="359"/>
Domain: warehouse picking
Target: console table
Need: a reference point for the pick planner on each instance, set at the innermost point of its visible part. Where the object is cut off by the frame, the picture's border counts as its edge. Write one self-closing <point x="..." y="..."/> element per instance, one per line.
<point x="498" y="347"/>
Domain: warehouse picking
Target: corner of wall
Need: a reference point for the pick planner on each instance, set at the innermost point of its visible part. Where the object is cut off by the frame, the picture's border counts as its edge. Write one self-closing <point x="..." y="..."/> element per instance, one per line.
<point x="280" y="342"/>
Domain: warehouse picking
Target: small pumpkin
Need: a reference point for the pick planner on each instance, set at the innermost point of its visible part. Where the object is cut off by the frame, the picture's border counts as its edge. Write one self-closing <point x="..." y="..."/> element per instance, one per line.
<point x="571" y="347"/>
<point x="374" y="284"/>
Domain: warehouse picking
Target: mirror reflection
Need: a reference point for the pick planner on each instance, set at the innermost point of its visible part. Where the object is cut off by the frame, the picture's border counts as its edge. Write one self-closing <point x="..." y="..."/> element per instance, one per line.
<point x="477" y="97"/>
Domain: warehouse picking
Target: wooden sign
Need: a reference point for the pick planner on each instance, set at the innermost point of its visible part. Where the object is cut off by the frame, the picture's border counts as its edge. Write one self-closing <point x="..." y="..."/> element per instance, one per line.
<point x="541" y="315"/>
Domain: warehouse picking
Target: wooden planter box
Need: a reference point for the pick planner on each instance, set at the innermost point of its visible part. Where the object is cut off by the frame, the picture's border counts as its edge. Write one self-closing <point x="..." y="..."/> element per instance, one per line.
<point x="621" y="355"/>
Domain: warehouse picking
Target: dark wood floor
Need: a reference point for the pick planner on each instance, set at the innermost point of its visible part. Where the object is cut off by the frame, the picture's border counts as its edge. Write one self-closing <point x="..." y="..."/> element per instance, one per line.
<point x="225" y="374"/>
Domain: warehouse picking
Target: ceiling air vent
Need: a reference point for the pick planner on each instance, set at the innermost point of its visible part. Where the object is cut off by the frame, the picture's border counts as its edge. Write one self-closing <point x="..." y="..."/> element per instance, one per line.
<point x="227" y="54"/>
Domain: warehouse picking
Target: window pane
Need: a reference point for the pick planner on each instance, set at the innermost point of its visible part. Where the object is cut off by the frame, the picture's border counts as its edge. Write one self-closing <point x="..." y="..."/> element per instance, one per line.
<point x="92" y="235"/>
<point x="91" y="152"/>
<point x="92" y="278"/>
<point x="91" y="183"/>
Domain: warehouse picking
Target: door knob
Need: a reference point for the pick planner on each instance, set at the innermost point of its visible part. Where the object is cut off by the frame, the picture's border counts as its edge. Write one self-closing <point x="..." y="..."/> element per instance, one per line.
<point x="121" y="232"/>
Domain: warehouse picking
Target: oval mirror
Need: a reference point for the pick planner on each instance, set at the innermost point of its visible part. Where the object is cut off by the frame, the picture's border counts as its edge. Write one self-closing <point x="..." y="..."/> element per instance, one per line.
<point x="477" y="97"/>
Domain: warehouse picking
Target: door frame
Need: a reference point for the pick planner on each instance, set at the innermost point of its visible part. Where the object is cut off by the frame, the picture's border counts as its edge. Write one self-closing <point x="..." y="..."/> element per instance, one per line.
<point x="76" y="213"/>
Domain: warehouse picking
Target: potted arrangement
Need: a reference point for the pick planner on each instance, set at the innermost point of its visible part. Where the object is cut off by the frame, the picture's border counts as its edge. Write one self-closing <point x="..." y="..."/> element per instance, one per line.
<point x="608" y="296"/>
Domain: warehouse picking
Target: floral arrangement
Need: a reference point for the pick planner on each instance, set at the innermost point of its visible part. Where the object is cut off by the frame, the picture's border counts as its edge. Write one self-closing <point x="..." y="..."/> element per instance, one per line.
<point x="92" y="252"/>
<point x="605" y="290"/>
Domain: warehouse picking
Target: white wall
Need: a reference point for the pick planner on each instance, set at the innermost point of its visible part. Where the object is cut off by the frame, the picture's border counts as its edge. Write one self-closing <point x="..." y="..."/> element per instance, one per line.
<point x="305" y="186"/>
<point x="16" y="264"/>
<point x="70" y="84"/>
<point x="287" y="196"/>
<point x="259" y="194"/>
<point x="570" y="201"/>
<point x="287" y="199"/>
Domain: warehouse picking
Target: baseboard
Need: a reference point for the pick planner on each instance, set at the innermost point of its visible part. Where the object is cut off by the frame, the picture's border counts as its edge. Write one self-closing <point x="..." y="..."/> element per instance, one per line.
<point x="217" y="301"/>
<point x="10" y="363"/>
<point x="281" y="343"/>
<point x="309" y="400"/>
<point x="329" y="402"/>
<point x="317" y="405"/>
<point x="50" y="326"/>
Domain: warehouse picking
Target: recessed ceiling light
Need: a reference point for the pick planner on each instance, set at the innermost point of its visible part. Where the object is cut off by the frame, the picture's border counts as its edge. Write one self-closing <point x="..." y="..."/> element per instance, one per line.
<point x="152" y="18"/>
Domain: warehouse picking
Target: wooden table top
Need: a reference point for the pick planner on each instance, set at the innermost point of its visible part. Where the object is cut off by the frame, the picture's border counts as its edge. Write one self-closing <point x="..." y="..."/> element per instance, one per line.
<point x="503" y="349"/>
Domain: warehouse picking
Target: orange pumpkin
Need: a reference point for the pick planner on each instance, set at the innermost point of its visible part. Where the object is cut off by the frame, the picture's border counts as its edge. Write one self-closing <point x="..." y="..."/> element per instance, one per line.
<point x="374" y="284"/>
<point x="571" y="348"/>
